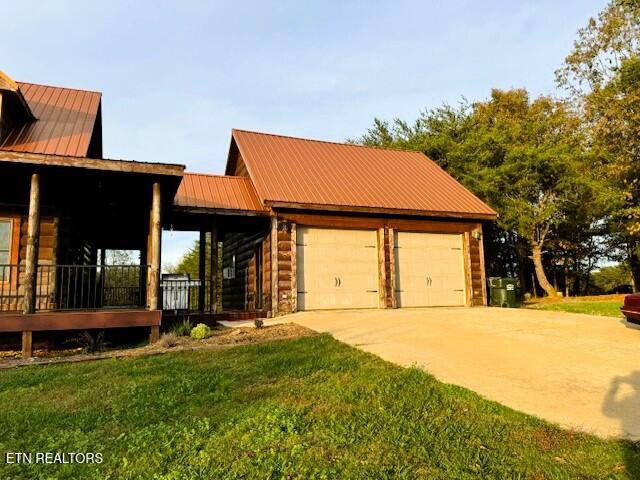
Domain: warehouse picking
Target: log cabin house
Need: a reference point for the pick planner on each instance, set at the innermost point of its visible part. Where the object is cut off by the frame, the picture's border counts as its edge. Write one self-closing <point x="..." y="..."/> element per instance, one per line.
<point x="293" y="224"/>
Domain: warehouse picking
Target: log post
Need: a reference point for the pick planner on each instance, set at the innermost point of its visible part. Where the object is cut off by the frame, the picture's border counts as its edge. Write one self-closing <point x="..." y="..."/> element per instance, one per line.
<point x="27" y="346"/>
<point x="154" y="249"/>
<point x="382" y="270"/>
<point x="202" y="267"/>
<point x="294" y="268"/>
<point x="33" y="234"/>
<point x="274" y="266"/>
<point x="154" y="336"/>
<point x="213" y="269"/>
<point x="392" y="268"/>
<point x="482" y="267"/>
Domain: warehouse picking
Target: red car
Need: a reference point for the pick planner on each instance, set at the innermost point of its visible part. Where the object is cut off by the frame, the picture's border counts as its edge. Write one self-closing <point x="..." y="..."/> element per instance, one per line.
<point x="631" y="308"/>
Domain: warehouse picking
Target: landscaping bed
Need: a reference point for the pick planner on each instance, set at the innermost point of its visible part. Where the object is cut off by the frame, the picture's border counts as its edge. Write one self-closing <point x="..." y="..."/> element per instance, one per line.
<point x="302" y="408"/>
<point x="220" y="337"/>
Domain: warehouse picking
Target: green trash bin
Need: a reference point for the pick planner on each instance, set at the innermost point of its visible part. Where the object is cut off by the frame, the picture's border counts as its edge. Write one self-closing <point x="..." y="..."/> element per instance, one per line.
<point x="505" y="292"/>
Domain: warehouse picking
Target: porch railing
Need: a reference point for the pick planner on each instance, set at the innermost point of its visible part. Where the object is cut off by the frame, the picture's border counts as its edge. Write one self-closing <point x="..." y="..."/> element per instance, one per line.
<point x="76" y="287"/>
<point x="183" y="295"/>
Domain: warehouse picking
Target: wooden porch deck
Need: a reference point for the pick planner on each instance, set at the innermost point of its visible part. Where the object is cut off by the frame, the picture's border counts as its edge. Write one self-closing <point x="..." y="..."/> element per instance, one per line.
<point x="79" y="320"/>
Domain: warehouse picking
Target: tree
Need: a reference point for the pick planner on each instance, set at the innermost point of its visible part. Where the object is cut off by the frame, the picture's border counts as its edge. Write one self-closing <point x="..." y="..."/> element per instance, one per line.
<point x="602" y="75"/>
<point x="606" y="279"/>
<point x="190" y="261"/>
<point x="524" y="157"/>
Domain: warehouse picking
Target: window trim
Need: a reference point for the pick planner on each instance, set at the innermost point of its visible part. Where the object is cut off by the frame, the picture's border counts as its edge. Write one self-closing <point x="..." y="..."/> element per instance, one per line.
<point x="14" y="245"/>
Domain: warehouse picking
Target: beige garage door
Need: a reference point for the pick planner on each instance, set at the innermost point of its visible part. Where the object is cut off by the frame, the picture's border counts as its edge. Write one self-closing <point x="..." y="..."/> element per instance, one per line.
<point x="336" y="268"/>
<point x="429" y="269"/>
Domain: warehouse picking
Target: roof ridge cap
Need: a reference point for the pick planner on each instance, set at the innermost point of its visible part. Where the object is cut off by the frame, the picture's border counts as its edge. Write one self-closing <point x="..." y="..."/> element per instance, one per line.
<point x="59" y="87"/>
<point x="376" y="147"/>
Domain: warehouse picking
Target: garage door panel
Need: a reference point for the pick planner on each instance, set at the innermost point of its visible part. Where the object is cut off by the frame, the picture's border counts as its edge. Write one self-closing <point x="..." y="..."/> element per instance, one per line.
<point x="337" y="268"/>
<point x="429" y="269"/>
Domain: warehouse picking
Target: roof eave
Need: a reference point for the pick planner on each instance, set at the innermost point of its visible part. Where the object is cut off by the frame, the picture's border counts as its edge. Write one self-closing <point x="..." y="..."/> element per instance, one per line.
<point x="125" y="166"/>
<point x="220" y="211"/>
<point x="381" y="210"/>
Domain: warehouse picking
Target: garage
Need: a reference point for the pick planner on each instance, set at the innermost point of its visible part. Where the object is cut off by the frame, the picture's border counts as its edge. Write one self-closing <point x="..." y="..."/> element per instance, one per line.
<point x="354" y="226"/>
<point x="336" y="268"/>
<point x="429" y="269"/>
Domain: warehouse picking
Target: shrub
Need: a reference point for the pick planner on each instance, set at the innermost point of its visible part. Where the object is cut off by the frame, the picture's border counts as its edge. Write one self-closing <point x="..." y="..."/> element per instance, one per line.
<point x="258" y="322"/>
<point x="169" y="340"/>
<point x="201" y="331"/>
<point x="182" y="329"/>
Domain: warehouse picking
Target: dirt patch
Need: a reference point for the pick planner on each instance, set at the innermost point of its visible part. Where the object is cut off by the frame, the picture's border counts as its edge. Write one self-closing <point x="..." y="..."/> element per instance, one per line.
<point x="223" y="337"/>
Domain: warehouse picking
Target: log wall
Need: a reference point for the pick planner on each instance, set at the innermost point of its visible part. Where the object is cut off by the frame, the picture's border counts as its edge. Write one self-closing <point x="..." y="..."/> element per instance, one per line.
<point x="240" y="293"/>
<point x="13" y="291"/>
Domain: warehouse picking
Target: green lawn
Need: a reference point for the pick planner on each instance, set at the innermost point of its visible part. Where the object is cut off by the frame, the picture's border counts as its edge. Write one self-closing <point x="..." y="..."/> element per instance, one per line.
<point x="305" y="408"/>
<point x="608" y="308"/>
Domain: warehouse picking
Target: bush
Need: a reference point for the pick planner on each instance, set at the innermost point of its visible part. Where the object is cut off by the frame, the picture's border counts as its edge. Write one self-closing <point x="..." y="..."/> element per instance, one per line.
<point x="201" y="331"/>
<point x="169" y="340"/>
<point x="182" y="329"/>
<point x="258" y="322"/>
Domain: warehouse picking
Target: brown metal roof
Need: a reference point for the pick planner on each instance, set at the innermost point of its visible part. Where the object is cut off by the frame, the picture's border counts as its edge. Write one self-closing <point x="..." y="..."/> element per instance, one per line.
<point x="65" y="121"/>
<point x="297" y="172"/>
<point x="217" y="192"/>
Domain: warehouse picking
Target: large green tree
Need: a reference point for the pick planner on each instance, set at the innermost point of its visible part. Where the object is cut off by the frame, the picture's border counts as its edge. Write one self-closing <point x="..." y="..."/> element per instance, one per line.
<point x="525" y="157"/>
<point x="602" y="75"/>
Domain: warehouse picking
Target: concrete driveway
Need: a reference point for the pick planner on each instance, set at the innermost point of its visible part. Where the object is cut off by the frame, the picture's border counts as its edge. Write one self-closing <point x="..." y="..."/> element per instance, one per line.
<point x="579" y="371"/>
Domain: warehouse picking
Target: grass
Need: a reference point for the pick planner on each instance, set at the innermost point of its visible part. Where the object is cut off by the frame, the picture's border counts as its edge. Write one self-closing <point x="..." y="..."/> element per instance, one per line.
<point x="607" y="305"/>
<point x="310" y="408"/>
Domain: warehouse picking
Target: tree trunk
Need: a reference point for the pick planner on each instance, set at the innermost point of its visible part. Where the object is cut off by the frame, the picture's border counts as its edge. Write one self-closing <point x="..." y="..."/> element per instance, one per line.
<point x="540" y="275"/>
<point x="634" y="266"/>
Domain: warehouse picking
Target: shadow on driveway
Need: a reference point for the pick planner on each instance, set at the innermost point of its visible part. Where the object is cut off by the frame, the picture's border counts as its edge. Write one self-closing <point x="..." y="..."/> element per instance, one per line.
<point x="622" y="401"/>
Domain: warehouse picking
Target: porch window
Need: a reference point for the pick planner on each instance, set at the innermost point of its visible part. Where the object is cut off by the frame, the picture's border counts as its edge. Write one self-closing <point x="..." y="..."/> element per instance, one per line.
<point x="5" y="249"/>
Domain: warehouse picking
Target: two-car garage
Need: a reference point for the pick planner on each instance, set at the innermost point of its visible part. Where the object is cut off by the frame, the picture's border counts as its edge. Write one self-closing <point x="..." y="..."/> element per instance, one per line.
<point x="341" y="268"/>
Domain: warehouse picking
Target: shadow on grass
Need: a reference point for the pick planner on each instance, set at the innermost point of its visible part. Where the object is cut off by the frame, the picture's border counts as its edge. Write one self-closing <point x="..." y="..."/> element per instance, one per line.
<point x="622" y="401"/>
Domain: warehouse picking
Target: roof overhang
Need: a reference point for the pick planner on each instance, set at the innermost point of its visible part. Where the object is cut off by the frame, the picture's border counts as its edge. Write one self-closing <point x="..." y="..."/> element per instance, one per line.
<point x="107" y="165"/>
<point x="377" y="210"/>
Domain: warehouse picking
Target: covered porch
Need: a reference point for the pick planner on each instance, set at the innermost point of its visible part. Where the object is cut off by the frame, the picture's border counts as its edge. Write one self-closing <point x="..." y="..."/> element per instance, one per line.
<point x="231" y="281"/>
<point x="61" y="215"/>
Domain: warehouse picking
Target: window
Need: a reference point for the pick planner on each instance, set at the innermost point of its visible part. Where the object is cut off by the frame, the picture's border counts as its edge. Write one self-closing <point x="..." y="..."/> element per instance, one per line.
<point x="5" y="249"/>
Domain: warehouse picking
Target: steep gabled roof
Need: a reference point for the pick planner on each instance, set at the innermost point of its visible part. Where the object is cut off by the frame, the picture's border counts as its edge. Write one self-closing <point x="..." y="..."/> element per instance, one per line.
<point x="217" y="192"/>
<point x="64" y="121"/>
<point x="301" y="173"/>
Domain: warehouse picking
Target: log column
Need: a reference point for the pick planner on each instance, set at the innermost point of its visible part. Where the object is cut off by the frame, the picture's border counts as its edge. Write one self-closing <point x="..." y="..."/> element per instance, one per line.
<point x="31" y="259"/>
<point x="213" y="269"/>
<point x="274" y="266"/>
<point x="392" y="267"/>
<point x="202" y="268"/>
<point x="154" y="255"/>
<point x="294" y="268"/>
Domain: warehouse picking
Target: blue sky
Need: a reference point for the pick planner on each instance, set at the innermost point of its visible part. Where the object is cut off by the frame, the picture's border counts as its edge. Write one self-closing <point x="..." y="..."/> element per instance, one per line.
<point x="177" y="76"/>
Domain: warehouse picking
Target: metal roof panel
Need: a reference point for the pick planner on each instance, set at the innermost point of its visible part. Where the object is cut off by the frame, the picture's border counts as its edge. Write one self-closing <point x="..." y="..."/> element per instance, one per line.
<point x="217" y="192"/>
<point x="297" y="171"/>
<point x="65" y="121"/>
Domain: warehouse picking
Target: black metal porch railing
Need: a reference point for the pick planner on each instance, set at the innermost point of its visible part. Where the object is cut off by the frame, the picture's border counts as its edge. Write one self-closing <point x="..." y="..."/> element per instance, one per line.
<point x="10" y="298"/>
<point x="183" y="295"/>
<point x="76" y="287"/>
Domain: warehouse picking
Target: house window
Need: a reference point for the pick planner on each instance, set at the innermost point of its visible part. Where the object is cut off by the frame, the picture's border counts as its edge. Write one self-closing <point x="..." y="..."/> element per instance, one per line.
<point x="5" y="249"/>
